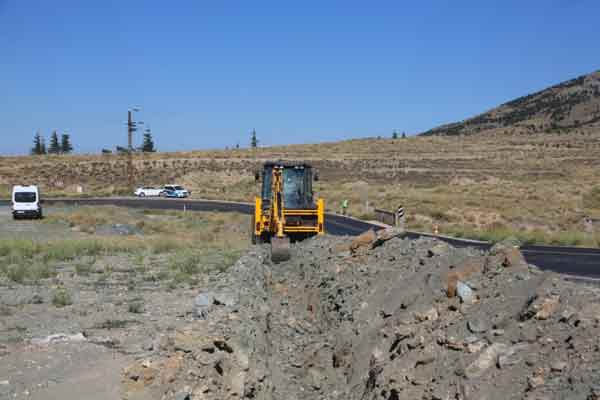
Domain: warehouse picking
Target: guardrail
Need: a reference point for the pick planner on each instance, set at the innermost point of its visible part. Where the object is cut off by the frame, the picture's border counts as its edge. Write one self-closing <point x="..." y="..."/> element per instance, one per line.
<point x="384" y="216"/>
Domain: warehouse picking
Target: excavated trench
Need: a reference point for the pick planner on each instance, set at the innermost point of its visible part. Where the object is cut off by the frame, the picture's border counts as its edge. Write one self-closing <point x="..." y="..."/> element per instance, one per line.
<point x="392" y="318"/>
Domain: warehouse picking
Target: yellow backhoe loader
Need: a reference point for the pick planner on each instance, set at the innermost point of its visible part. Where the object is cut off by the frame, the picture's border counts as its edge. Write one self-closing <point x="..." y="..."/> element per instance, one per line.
<point x="286" y="208"/>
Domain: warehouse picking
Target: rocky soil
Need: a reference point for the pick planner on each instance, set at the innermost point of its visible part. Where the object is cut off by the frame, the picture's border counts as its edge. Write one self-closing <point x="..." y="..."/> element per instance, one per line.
<point x="379" y="317"/>
<point x="69" y="325"/>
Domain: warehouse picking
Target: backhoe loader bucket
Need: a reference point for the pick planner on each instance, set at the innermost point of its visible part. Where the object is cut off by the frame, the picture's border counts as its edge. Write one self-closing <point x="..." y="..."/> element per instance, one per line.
<point x="280" y="249"/>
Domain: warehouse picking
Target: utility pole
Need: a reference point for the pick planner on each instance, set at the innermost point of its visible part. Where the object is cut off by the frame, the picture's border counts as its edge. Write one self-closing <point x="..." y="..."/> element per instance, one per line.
<point x="131" y="127"/>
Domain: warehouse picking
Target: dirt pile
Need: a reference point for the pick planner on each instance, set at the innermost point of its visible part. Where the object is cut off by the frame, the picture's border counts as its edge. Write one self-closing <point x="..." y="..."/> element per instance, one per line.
<point x="381" y="317"/>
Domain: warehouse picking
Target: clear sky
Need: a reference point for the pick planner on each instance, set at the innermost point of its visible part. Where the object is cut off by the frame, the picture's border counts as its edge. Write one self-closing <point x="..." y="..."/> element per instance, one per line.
<point x="207" y="72"/>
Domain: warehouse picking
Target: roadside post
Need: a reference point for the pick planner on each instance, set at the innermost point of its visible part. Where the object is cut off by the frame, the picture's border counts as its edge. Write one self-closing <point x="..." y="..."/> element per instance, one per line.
<point x="400" y="217"/>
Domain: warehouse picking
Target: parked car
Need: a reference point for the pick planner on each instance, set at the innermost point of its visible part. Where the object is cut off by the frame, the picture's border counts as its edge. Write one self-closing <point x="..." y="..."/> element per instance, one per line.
<point x="175" y="191"/>
<point x="148" y="191"/>
<point x="26" y="202"/>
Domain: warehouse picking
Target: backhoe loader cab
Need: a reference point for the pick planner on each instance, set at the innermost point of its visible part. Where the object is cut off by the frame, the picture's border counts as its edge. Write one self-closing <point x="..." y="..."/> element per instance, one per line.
<point x="286" y="207"/>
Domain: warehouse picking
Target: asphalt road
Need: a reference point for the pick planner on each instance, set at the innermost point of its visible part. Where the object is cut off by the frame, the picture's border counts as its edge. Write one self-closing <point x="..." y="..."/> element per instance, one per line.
<point x="574" y="261"/>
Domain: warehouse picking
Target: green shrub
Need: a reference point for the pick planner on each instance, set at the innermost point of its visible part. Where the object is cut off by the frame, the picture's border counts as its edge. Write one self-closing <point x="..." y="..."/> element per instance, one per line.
<point x="112" y="324"/>
<point x="62" y="298"/>
<point x="18" y="248"/>
<point x="16" y="273"/>
<point x="186" y="263"/>
<point x="41" y="271"/>
<point x="136" y="306"/>
<point x="165" y="246"/>
<point x="85" y="267"/>
<point x="27" y="270"/>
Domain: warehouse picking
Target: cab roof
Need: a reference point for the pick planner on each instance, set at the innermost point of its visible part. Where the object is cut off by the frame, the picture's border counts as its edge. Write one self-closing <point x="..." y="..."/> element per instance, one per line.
<point x="286" y="164"/>
<point x="18" y="188"/>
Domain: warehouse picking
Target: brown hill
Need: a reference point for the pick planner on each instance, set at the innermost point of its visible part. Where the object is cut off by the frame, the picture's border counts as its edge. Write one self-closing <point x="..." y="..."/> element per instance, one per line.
<point x="574" y="104"/>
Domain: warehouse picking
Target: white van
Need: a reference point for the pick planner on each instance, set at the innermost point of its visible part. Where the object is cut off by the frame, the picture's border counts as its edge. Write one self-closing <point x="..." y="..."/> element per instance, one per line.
<point x="26" y="202"/>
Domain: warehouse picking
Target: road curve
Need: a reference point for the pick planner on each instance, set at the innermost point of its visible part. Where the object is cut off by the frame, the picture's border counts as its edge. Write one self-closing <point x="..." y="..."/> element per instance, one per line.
<point x="575" y="261"/>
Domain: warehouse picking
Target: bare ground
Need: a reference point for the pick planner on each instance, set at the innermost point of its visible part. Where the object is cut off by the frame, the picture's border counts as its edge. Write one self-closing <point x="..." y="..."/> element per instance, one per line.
<point x="68" y="333"/>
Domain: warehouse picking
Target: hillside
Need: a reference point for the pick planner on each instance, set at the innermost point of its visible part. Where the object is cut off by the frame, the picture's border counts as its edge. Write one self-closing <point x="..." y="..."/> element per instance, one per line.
<point x="574" y="104"/>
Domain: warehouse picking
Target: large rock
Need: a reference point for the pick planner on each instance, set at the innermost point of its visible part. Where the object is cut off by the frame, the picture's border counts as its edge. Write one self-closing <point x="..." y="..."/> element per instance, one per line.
<point x="430" y="314"/>
<point x="506" y="254"/>
<point x="477" y="326"/>
<point x="513" y="355"/>
<point x="485" y="361"/>
<point x="384" y="235"/>
<point x="202" y="303"/>
<point x="362" y="243"/>
<point x="225" y="297"/>
<point x="439" y="249"/>
<point x="464" y="292"/>
<point x="542" y="307"/>
<point x="462" y="272"/>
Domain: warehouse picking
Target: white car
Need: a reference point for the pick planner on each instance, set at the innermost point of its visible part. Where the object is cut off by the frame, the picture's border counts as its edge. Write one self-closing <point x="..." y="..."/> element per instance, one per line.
<point x="148" y="191"/>
<point x="26" y="202"/>
<point x="177" y="191"/>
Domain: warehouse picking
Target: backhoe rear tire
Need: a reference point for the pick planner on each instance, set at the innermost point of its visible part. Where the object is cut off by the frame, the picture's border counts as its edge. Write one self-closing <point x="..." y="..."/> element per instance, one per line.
<point x="253" y="237"/>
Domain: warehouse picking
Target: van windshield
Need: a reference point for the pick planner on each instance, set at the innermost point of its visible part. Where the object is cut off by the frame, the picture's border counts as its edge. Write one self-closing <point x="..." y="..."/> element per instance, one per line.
<point x="25" y="197"/>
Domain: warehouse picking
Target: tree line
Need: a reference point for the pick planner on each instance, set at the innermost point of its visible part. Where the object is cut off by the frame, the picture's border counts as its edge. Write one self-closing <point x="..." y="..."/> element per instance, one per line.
<point x="147" y="146"/>
<point x="63" y="145"/>
<point x="56" y="145"/>
<point x="395" y="135"/>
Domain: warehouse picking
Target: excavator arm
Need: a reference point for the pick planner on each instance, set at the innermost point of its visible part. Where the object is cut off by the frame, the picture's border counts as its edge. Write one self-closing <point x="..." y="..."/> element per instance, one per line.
<point x="280" y="243"/>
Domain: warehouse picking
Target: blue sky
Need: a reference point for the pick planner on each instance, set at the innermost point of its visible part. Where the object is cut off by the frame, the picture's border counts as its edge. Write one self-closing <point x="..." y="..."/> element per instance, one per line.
<point x="207" y="73"/>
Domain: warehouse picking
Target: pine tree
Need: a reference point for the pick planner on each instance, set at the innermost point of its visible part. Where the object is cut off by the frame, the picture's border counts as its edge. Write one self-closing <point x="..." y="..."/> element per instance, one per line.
<point x="395" y="135"/>
<point x="253" y="140"/>
<point x="148" y="144"/>
<point x="403" y="135"/>
<point x="37" y="144"/>
<point x="54" y="147"/>
<point x="65" y="144"/>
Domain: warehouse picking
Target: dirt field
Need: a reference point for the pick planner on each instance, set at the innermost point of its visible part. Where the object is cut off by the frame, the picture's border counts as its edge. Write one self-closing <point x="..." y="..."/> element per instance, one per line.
<point x="86" y="291"/>
<point x="540" y="187"/>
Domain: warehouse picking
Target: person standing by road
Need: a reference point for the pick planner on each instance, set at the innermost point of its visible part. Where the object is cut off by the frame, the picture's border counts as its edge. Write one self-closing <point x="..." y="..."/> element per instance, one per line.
<point x="344" y="206"/>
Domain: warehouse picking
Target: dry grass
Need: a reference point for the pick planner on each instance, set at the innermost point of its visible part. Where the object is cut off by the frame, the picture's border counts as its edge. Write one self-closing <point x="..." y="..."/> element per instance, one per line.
<point x="195" y="242"/>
